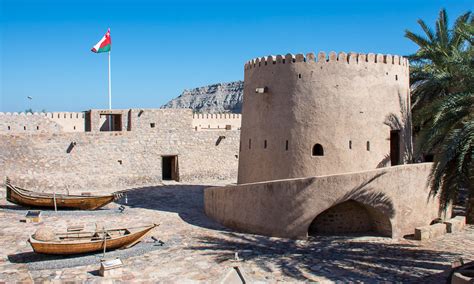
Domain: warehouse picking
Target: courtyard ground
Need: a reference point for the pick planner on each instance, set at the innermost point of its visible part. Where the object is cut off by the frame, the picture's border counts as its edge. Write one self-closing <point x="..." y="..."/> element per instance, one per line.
<point x="197" y="249"/>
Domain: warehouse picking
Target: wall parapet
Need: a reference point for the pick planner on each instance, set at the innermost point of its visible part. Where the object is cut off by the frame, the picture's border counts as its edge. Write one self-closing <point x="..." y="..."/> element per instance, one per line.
<point x="332" y="57"/>
<point x="217" y="116"/>
<point x="54" y="115"/>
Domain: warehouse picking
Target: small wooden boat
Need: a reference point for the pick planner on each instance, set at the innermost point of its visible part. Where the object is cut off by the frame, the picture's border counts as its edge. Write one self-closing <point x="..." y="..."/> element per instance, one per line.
<point x="85" y="242"/>
<point x="28" y="198"/>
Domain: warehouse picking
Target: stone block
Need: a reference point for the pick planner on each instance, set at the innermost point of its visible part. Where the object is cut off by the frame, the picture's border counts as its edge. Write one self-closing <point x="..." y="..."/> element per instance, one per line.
<point x="455" y="224"/>
<point x="111" y="268"/>
<point x="422" y="233"/>
<point x="430" y="232"/>
<point x="437" y="230"/>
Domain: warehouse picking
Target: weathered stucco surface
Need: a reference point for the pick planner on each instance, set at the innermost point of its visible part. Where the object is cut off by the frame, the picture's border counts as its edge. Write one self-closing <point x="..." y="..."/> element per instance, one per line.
<point x="286" y="208"/>
<point x="342" y="102"/>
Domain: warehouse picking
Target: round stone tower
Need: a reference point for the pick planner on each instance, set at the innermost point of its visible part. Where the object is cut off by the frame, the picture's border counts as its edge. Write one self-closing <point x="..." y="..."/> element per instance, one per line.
<point x="304" y="116"/>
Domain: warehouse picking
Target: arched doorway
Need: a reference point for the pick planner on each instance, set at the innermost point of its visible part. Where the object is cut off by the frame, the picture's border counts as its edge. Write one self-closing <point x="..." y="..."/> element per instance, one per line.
<point x="351" y="217"/>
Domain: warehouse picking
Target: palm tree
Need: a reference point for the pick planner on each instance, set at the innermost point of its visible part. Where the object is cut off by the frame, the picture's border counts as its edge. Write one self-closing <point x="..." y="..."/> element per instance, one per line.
<point x="450" y="137"/>
<point x="442" y="77"/>
<point x="438" y="66"/>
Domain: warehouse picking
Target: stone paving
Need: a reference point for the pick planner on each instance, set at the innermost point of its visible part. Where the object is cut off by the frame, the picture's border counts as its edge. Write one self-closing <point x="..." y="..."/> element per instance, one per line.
<point x="200" y="250"/>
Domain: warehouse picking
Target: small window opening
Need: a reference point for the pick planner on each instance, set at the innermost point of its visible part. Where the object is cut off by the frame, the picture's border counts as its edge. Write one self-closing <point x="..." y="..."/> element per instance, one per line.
<point x="396" y="77"/>
<point x="74" y="127"/>
<point x="24" y="127"/>
<point x="368" y="145"/>
<point x="299" y="76"/>
<point x="152" y="125"/>
<point x="8" y="127"/>
<point x="119" y="161"/>
<point x="283" y="61"/>
<point x="250" y="143"/>
<point x="286" y="145"/>
<point x="37" y="128"/>
<point x="318" y="150"/>
<point x="265" y="144"/>
<point x="350" y="144"/>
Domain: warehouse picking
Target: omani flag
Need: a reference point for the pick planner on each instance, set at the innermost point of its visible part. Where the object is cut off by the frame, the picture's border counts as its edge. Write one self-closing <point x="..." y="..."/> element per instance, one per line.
<point x="104" y="44"/>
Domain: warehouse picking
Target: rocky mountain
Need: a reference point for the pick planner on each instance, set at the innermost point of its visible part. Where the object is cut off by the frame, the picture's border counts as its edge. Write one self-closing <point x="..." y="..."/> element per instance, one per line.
<point x="216" y="98"/>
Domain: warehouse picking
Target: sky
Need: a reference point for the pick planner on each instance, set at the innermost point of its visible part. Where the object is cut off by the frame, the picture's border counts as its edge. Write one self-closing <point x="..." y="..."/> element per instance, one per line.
<point x="160" y="48"/>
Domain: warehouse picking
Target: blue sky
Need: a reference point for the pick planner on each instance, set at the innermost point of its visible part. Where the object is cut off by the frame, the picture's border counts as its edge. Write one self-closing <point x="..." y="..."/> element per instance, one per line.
<point x="162" y="47"/>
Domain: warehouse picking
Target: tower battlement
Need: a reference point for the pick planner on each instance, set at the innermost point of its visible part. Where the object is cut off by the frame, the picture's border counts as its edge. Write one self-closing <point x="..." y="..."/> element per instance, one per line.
<point x="323" y="58"/>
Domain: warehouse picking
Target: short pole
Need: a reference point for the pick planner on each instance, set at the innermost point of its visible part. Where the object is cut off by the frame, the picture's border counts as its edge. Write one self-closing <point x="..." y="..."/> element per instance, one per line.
<point x="54" y="200"/>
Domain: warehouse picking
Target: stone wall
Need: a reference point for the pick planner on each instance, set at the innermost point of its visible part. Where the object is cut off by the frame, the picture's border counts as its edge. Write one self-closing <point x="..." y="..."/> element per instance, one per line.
<point x="50" y="122"/>
<point x="108" y="161"/>
<point x="216" y="121"/>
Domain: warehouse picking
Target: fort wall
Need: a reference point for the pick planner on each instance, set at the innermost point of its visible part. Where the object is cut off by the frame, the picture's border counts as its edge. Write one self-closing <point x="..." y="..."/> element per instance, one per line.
<point x="394" y="200"/>
<point x="349" y="104"/>
<point x="97" y="161"/>
<point x="50" y="122"/>
<point x="140" y="120"/>
<point x="216" y="121"/>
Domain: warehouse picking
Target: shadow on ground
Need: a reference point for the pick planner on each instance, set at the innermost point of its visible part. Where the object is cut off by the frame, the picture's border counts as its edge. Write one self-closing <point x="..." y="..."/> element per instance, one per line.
<point x="186" y="200"/>
<point x="347" y="258"/>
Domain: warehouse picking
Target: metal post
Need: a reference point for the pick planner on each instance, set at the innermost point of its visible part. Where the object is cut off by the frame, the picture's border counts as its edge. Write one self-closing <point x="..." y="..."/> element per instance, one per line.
<point x="54" y="199"/>
<point x="105" y="241"/>
<point x="110" y="86"/>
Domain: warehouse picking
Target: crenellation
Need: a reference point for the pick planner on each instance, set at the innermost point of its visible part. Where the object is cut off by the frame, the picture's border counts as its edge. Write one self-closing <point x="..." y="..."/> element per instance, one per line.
<point x="352" y="58"/>
<point x="322" y="57"/>
<point x="300" y="58"/>
<point x="342" y="57"/>
<point x="371" y="58"/>
<point x="280" y="59"/>
<point x="379" y="58"/>
<point x="310" y="57"/>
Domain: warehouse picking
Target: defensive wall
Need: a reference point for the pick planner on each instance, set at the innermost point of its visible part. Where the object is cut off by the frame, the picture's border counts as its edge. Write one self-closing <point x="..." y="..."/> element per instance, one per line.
<point x="132" y="153"/>
<point x="216" y="121"/>
<point x="324" y="149"/>
<point x="57" y="122"/>
<point x="390" y="201"/>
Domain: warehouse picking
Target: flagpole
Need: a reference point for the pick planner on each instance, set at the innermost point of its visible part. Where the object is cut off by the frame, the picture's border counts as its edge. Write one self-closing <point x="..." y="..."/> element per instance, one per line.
<point x="110" y="87"/>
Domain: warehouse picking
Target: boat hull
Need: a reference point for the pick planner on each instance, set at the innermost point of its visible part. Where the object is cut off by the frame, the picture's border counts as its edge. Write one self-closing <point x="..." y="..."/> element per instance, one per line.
<point x="68" y="248"/>
<point x="46" y="200"/>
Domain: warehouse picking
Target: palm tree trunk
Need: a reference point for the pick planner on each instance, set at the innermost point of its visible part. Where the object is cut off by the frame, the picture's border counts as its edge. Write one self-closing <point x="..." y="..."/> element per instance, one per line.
<point x="470" y="208"/>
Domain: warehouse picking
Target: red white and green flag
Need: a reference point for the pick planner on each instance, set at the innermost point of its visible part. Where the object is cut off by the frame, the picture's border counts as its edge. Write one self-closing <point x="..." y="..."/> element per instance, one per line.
<point x="104" y="45"/>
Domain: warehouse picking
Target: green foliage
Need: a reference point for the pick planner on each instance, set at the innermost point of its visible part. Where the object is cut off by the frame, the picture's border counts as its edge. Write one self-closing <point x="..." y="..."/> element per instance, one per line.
<point x="450" y="137"/>
<point x="442" y="77"/>
<point x="29" y="110"/>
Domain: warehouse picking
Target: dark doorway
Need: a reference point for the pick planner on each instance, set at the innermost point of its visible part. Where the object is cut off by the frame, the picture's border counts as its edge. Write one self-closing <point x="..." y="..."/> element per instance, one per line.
<point x="395" y="147"/>
<point x="169" y="168"/>
<point x="111" y="122"/>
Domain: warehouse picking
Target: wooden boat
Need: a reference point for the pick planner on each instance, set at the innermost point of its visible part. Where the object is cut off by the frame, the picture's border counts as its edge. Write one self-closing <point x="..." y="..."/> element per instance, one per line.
<point x="85" y="242"/>
<point x="28" y="198"/>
